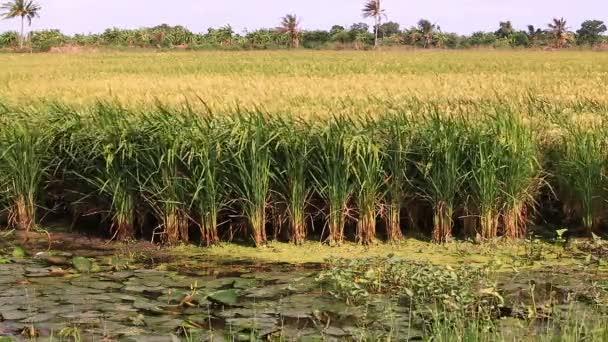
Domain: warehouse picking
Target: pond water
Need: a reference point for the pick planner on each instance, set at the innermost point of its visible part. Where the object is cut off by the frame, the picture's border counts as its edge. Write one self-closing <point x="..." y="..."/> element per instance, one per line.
<point x="100" y="295"/>
<point x="222" y="300"/>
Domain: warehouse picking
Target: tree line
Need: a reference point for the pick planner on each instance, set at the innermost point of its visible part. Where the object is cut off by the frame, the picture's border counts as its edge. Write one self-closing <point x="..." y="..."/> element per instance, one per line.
<point x="289" y="34"/>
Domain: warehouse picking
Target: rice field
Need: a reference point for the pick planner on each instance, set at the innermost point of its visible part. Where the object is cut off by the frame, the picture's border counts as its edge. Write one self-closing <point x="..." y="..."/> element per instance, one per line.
<point x="291" y="146"/>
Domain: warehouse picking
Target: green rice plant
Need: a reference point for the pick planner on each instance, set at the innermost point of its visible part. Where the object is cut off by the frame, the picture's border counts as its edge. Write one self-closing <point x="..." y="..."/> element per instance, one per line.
<point x="440" y="149"/>
<point x="521" y="172"/>
<point x="331" y="172"/>
<point x="161" y="171"/>
<point x="367" y="152"/>
<point x="485" y="154"/>
<point x="25" y="163"/>
<point x="397" y="133"/>
<point x="103" y="154"/>
<point x="294" y="149"/>
<point x="251" y="138"/>
<point x="581" y="169"/>
<point x="205" y="160"/>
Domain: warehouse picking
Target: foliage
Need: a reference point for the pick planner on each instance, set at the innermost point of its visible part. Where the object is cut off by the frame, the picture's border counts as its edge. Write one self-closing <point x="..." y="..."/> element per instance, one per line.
<point x="45" y="40"/>
<point x="435" y="293"/>
<point x="590" y="32"/>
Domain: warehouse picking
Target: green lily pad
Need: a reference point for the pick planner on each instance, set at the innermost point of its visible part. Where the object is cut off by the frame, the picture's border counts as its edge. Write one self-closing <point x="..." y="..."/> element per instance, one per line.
<point x="19" y="252"/>
<point x="15" y="315"/>
<point x="82" y="265"/>
<point x="225" y="297"/>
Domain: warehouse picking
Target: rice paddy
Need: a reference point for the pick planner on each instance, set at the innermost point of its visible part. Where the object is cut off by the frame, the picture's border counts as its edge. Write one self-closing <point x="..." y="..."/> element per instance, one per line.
<point x="519" y="135"/>
<point x="431" y="163"/>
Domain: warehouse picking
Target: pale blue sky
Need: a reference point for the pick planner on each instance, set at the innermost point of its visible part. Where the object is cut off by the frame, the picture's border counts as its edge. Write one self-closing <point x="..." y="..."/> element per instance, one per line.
<point x="462" y="16"/>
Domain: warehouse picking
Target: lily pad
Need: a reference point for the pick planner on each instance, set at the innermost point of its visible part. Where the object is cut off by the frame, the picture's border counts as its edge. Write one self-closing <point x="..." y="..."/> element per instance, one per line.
<point x="82" y="265"/>
<point x="19" y="252"/>
<point x="225" y="297"/>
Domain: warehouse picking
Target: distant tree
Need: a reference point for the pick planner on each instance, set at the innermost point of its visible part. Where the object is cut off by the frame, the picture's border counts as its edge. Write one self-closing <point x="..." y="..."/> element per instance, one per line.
<point x="291" y="26"/>
<point x="315" y="39"/>
<point x="519" y="39"/>
<point x="533" y="34"/>
<point x="389" y="29"/>
<point x="359" y="27"/>
<point x="481" y="39"/>
<point x="559" y="29"/>
<point x="25" y="9"/>
<point x="427" y="30"/>
<point x="336" y="29"/>
<point x="9" y="39"/>
<point x="590" y="32"/>
<point x="373" y="8"/>
<point x="505" y="29"/>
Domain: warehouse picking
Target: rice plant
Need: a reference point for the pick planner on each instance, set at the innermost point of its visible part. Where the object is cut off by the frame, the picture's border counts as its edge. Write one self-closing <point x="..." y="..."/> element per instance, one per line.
<point x="251" y="141"/>
<point x="331" y="173"/>
<point x="161" y="172"/>
<point x="24" y="164"/>
<point x="103" y="156"/>
<point x="367" y="153"/>
<point x="397" y="161"/>
<point x="485" y="184"/>
<point x="520" y="174"/>
<point x="581" y="169"/>
<point x="440" y="149"/>
<point x="205" y="161"/>
<point x="293" y="152"/>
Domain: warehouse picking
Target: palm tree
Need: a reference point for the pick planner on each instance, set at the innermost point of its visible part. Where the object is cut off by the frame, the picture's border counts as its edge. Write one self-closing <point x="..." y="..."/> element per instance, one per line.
<point x="559" y="30"/>
<point x="290" y="24"/>
<point x="372" y="8"/>
<point x="26" y="9"/>
<point x="533" y="33"/>
<point x="505" y="29"/>
<point x="427" y="30"/>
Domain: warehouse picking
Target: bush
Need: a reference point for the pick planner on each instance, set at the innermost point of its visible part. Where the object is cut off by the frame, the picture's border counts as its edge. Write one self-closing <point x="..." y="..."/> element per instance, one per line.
<point x="45" y="40"/>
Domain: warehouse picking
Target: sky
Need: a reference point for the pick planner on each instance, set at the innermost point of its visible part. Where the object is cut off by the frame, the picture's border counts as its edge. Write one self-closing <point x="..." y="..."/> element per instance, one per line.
<point x="461" y="16"/>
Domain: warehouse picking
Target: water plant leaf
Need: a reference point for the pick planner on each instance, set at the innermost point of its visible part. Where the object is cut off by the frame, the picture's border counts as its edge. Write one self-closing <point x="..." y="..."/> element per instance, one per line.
<point x="224" y="297"/>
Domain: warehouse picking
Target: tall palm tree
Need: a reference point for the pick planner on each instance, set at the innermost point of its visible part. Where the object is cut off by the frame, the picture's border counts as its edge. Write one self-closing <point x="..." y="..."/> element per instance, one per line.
<point x="290" y="24"/>
<point x="505" y="29"/>
<point x="373" y="8"/>
<point x="427" y="30"/>
<point x="533" y="33"/>
<point x="559" y="30"/>
<point x="26" y="9"/>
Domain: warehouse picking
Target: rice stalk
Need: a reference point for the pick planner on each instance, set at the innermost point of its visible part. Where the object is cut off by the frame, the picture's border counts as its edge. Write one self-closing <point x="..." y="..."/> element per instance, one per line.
<point x="293" y="152"/>
<point x="398" y="139"/>
<point x="24" y="164"/>
<point x="366" y="151"/>
<point x="206" y="153"/>
<point x="441" y="164"/>
<point x="331" y="173"/>
<point x="581" y="169"/>
<point x="251" y="137"/>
